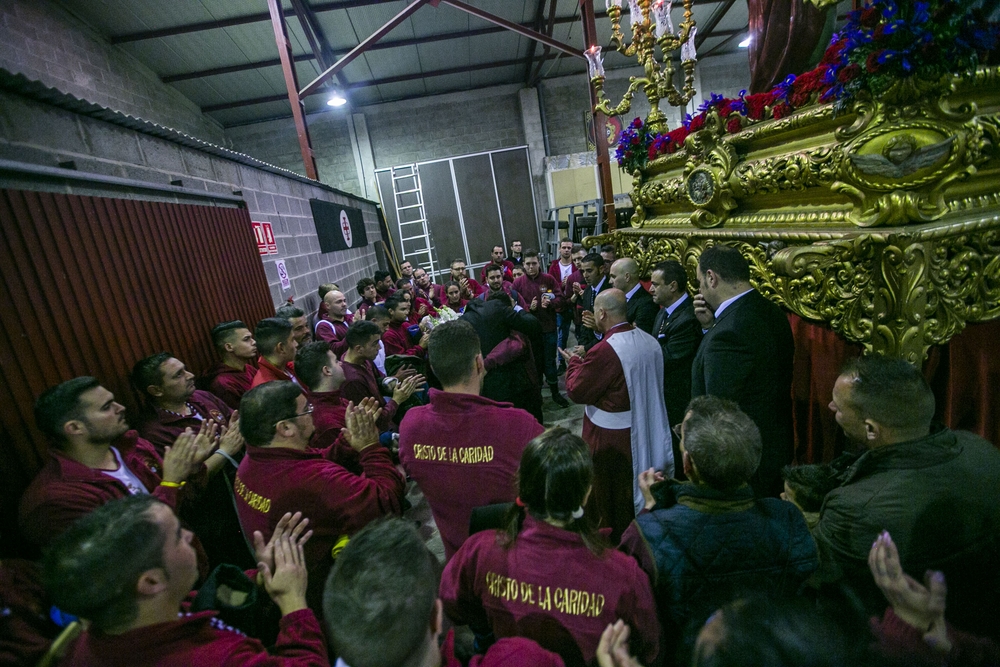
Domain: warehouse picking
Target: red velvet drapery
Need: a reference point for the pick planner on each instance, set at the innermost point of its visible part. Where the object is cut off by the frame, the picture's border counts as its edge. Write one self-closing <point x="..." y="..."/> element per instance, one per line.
<point x="964" y="373"/>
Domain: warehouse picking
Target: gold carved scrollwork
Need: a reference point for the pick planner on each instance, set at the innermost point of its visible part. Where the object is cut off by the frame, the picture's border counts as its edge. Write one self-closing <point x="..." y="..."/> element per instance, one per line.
<point x="796" y="171"/>
<point x="965" y="276"/>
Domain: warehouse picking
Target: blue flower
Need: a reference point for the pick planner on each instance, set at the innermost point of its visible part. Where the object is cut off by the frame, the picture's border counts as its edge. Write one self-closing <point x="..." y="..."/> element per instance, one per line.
<point x="921" y="12"/>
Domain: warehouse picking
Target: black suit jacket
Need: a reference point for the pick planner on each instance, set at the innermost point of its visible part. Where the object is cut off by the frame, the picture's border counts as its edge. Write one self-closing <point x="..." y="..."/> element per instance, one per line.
<point x="642" y="310"/>
<point x="587" y="337"/>
<point x="679" y="336"/>
<point x="747" y="357"/>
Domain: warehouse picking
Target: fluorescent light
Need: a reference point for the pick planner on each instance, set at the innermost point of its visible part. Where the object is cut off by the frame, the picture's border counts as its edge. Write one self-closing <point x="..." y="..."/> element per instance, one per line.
<point x="746" y="42"/>
<point x="337" y="99"/>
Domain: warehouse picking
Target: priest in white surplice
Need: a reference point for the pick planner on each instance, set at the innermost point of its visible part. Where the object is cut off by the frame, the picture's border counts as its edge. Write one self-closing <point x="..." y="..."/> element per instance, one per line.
<point x="620" y="380"/>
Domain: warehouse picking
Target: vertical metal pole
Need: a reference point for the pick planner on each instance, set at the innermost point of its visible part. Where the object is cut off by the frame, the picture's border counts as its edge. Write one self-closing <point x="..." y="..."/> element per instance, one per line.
<point x="604" y="186"/>
<point x="291" y="83"/>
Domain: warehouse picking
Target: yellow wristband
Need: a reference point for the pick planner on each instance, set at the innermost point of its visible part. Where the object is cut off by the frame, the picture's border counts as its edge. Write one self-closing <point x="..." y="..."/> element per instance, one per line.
<point x="173" y="485"/>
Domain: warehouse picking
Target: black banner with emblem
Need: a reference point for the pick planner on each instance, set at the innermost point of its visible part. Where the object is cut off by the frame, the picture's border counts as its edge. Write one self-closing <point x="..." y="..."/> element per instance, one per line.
<point x="338" y="227"/>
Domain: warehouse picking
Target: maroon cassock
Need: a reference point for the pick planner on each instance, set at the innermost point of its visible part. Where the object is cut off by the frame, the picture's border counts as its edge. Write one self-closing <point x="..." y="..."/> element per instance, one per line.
<point x="441" y="447"/>
<point x="66" y="490"/>
<point x="274" y="480"/>
<point x="334" y="333"/>
<point x="397" y="340"/>
<point x="202" y="639"/>
<point x="268" y="372"/>
<point x="532" y="288"/>
<point x="230" y="384"/>
<point x="329" y="410"/>
<point x="598" y="380"/>
<point x="362" y="381"/>
<point x="161" y="427"/>
<point x="549" y="587"/>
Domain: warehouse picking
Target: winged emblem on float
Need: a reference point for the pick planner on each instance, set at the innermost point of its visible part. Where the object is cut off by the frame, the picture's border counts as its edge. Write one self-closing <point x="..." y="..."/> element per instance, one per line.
<point x="900" y="157"/>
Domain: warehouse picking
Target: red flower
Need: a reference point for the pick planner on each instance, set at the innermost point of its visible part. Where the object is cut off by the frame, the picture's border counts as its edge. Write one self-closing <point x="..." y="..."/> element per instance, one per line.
<point x="652" y="151"/>
<point x="636" y="123"/>
<point x="871" y="63"/>
<point x="733" y="125"/>
<point x="869" y="17"/>
<point x="832" y="53"/>
<point x="848" y="73"/>
<point x="781" y="110"/>
<point x="799" y="97"/>
<point x="756" y="104"/>
<point x="697" y="123"/>
<point x="635" y="141"/>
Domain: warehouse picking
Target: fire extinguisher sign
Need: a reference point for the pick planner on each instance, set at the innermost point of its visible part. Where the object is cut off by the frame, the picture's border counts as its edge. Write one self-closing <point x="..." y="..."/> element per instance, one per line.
<point x="264" y="234"/>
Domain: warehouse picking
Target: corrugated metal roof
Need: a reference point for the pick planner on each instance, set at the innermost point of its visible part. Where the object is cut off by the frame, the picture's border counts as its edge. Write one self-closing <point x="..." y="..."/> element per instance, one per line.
<point x="192" y="44"/>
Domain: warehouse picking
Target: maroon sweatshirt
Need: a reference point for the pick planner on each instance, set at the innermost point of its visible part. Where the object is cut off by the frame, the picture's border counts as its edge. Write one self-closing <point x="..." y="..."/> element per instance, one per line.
<point x="329" y="410"/>
<point x="66" y="490"/>
<point x="441" y="447"/>
<point x="549" y="587"/>
<point x="334" y="333"/>
<point x="230" y="384"/>
<point x="161" y="428"/>
<point x="194" y="640"/>
<point x="532" y="288"/>
<point x="397" y="341"/>
<point x="364" y="380"/>
<point x="274" y="480"/>
<point x="268" y="372"/>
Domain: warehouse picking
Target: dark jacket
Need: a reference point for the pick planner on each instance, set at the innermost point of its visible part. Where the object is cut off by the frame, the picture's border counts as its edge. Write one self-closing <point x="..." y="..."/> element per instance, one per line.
<point x="702" y="548"/>
<point x="679" y="336"/>
<point x="493" y="321"/>
<point x="641" y="310"/>
<point x="747" y="357"/>
<point x="587" y="337"/>
<point x="939" y="498"/>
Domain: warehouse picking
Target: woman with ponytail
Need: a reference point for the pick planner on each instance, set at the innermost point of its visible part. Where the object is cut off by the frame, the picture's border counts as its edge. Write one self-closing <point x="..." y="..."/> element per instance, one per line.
<point x="551" y="576"/>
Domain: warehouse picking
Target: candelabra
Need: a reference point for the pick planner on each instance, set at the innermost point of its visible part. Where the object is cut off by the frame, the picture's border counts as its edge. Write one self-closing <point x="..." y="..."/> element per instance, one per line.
<point x="651" y="27"/>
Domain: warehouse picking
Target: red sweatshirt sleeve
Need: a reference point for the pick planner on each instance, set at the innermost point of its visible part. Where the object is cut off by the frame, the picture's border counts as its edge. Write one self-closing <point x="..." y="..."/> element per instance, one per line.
<point x="505" y="352"/>
<point x="395" y="343"/>
<point x="457" y="590"/>
<point x="300" y="644"/>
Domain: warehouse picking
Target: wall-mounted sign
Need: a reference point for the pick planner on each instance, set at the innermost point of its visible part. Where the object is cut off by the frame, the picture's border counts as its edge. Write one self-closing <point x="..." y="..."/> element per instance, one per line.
<point x="264" y="234"/>
<point x="338" y="227"/>
<point x="286" y="282"/>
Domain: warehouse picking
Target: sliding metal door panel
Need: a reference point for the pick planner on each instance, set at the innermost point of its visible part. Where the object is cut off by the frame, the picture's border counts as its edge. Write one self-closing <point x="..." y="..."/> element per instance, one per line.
<point x="442" y="211"/>
<point x="386" y="194"/>
<point x="474" y="177"/>
<point x="515" y="193"/>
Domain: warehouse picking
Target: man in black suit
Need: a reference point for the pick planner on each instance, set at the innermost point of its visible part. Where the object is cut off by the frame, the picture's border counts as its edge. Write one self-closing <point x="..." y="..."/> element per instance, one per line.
<point x="679" y="333"/>
<point x="595" y="274"/>
<point x="746" y="356"/>
<point x="514" y="381"/>
<point x="641" y="309"/>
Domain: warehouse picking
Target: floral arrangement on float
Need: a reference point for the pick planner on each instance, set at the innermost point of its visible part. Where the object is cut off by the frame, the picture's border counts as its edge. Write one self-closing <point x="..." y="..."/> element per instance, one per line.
<point x="881" y="45"/>
<point x="445" y="314"/>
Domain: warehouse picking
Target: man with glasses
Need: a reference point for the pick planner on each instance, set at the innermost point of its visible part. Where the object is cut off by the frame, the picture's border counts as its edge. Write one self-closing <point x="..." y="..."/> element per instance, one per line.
<point x="281" y="473"/>
<point x="470" y="288"/>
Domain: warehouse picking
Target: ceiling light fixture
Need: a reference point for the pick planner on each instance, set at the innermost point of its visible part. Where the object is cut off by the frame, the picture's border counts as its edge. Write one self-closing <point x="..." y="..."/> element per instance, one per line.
<point x="746" y="42"/>
<point x="337" y="99"/>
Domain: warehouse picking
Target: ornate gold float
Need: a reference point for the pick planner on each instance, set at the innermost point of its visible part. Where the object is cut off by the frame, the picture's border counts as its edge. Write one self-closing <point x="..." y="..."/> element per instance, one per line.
<point x="881" y="220"/>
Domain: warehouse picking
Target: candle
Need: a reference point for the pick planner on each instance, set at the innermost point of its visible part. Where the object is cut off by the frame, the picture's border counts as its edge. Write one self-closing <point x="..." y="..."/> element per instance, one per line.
<point x="661" y="11"/>
<point x="688" y="49"/>
<point x="594" y="63"/>
<point x="634" y="13"/>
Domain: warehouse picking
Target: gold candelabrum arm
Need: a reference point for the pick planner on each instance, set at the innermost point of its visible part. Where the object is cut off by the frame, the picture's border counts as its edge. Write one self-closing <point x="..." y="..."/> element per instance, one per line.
<point x="658" y="82"/>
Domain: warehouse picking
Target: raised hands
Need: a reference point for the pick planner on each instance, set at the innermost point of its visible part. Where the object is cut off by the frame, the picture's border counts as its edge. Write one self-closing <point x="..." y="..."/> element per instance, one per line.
<point x="360" y="430"/>
<point x="919" y="605"/>
<point x="647" y="479"/>
<point x="286" y="582"/>
<point x="406" y="388"/>
<point x="231" y="441"/>
<point x="188" y="452"/>
<point x="291" y="526"/>
<point x="612" y="650"/>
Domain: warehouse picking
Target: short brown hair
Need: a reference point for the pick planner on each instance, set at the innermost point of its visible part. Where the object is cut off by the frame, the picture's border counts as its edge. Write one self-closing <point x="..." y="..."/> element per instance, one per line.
<point x="722" y="441"/>
<point x="451" y="349"/>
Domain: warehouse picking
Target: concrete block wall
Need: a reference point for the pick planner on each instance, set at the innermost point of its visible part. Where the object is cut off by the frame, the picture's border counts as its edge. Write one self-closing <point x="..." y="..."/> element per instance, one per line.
<point x="278" y="141"/>
<point x="43" y="41"/>
<point x="38" y="133"/>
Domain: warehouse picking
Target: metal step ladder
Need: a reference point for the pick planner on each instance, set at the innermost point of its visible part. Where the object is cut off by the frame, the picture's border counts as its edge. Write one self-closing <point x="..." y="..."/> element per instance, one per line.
<point x="414" y="234"/>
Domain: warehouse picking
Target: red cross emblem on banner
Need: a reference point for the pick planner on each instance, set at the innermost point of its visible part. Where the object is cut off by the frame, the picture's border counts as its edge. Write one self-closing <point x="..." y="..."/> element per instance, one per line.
<point x="345" y="227"/>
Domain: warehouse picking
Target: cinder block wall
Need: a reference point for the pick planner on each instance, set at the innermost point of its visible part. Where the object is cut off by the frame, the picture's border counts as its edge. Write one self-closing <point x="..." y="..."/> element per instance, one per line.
<point x="45" y="42"/>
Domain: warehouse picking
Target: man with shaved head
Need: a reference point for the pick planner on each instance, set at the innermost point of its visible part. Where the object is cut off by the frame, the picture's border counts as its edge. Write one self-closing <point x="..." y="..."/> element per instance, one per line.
<point x="620" y="380"/>
<point x="333" y="327"/>
<point x="642" y="309"/>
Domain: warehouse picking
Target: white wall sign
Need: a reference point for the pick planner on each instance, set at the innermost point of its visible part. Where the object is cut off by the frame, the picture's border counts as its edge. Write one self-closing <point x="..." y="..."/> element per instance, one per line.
<point x="283" y="275"/>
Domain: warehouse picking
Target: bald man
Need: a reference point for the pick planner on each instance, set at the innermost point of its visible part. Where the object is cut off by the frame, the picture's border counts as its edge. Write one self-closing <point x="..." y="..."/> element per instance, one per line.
<point x="332" y="327"/>
<point x="620" y="380"/>
<point x="642" y="309"/>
